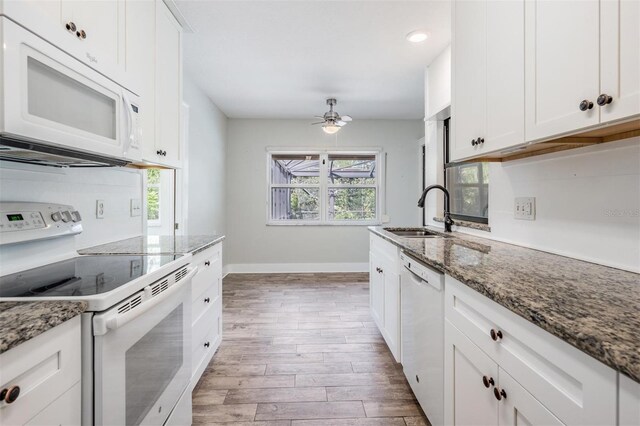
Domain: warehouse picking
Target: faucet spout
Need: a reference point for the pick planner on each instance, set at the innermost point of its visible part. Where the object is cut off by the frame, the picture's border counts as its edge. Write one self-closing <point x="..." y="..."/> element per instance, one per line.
<point x="447" y="216"/>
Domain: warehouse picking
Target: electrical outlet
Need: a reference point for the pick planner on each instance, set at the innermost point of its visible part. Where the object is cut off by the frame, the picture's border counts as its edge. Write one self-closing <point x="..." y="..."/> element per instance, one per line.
<point x="99" y="209"/>
<point x="525" y="208"/>
<point x="136" y="207"/>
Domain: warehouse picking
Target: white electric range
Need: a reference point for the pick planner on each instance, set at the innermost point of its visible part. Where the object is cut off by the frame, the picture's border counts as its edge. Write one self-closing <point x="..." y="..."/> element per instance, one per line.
<point x="136" y="332"/>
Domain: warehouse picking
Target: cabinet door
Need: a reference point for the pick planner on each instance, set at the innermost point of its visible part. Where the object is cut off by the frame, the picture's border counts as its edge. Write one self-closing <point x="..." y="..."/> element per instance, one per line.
<point x="467" y="400"/>
<point x="102" y="23"/>
<point x="628" y="401"/>
<point x="376" y="290"/>
<point x="468" y="62"/>
<point x="140" y="65"/>
<point x="620" y="58"/>
<point x="562" y="62"/>
<point x="505" y="75"/>
<point x="519" y="407"/>
<point x="64" y="411"/>
<point x="392" y="310"/>
<point x="168" y="86"/>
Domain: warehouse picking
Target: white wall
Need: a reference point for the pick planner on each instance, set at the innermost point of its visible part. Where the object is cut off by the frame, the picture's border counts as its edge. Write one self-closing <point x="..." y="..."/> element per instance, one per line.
<point x="253" y="246"/>
<point x="587" y="203"/>
<point x="206" y="165"/>
<point x="79" y="188"/>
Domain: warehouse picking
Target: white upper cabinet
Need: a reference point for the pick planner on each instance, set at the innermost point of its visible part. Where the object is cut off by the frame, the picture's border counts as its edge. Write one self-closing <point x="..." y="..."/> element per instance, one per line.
<point x="488" y="77"/>
<point x="468" y="63"/>
<point x="91" y="31"/>
<point x="97" y="26"/>
<point x="168" y="87"/>
<point x="562" y="66"/>
<point x="154" y="59"/>
<point x="582" y="65"/>
<point x="620" y="59"/>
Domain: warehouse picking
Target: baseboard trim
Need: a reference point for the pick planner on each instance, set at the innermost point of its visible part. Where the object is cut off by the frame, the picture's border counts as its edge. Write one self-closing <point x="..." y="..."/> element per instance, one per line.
<point x="266" y="268"/>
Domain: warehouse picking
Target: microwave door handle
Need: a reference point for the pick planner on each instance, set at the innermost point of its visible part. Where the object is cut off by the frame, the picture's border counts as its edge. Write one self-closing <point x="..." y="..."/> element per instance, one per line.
<point x="113" y="321"/>
<point x="127" y="108"/>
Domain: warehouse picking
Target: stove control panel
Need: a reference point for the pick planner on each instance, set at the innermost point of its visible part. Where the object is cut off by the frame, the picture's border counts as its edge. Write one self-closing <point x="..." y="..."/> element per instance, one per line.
<point x="24" y="221"/>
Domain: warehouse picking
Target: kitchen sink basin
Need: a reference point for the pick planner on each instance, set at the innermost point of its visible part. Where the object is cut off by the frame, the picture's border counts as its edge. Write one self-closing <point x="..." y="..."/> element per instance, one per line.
<point x="415" y="233"/>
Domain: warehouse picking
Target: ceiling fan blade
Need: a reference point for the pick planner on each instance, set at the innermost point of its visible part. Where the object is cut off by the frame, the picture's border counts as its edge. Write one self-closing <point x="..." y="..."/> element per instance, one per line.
<point x="319" y="116"/>
<point x="341" y="123"/>
<point x="319" y="122"/>
<point x="346" y="118"/>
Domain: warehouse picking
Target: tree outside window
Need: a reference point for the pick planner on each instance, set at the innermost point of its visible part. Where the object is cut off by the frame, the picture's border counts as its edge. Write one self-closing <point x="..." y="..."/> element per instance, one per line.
<point x="153" y="197"/>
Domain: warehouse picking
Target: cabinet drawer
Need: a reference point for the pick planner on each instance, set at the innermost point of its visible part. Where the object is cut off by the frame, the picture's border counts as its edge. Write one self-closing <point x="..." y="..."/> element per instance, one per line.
<point x="572" y="385"/>
<point x="383" y="247"/>
<point x="209" y="274"/>
<point x="206" y="300"/>
<point x="44" y="368"/>
<point x="206" y="330"/>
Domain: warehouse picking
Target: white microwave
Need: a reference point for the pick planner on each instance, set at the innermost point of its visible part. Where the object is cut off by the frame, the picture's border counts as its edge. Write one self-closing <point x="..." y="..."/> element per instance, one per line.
<point x="54" y="105"/>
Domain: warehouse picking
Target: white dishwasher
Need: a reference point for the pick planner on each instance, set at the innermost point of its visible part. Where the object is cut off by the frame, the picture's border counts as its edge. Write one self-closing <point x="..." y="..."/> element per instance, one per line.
<point x="422" y="334"/>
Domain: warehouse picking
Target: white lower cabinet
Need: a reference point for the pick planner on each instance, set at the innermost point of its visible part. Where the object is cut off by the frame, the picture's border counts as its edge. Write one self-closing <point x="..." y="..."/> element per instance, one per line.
<point x="384" y="288"/>
<point x="46" y="370"/>
<point x="467" y="400"/>
<point x="556" y="383"/>
<point x="628" y="402"/>
<point x="206" y="292"/>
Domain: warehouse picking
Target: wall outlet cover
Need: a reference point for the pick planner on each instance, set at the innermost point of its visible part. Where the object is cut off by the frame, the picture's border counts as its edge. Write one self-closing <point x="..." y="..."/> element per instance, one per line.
<point x="136" y="207"/>
<point x="524" y="208"/>
<point x="99" y="209"/>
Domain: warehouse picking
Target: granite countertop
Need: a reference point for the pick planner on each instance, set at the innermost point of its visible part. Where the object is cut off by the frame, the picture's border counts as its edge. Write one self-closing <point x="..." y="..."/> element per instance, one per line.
<point x="21" y="321"/>
<point x="592" y="307"/>
<point x="165" y="244"/>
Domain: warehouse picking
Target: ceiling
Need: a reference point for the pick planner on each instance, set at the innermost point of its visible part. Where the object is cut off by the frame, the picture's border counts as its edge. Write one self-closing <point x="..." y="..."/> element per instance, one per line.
<point x="282" y="59"/>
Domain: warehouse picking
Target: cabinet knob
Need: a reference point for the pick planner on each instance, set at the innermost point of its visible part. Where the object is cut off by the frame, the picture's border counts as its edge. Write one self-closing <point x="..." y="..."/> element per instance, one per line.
<point x="159" y="152"/>
<point x="10" y="395"/>
<point x="499" y="394"/>
<point x="70" y="26"/>
<point x="480" y="140"/>
<point x="206" y="344"/>
<point x="164" y="153"/>
<point x="495" y="335"/>
<point x="604" y="99"/>
<point x="207" y="263"/>
<point x="585" y="105"/>
<point x="473" y="142"/>
<point x="417" y="379"/>
<point x="81" y="34"/>
<point x="207" y="300"/>
<point x="487" y="381"/>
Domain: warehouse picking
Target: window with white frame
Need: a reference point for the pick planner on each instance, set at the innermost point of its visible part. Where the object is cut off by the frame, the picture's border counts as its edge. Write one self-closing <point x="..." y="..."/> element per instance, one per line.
<point x="324" y="188"/>
<point x="153" y="197"/>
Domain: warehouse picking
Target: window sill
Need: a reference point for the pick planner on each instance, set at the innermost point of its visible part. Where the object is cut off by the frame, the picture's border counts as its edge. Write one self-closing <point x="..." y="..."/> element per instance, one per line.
<point x="467" y="224"/>
<point x="309" y="223"/>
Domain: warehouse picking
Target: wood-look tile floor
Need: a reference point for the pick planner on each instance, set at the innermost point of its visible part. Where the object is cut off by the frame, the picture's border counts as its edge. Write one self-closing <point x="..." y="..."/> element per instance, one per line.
<point x="302" y="350"/>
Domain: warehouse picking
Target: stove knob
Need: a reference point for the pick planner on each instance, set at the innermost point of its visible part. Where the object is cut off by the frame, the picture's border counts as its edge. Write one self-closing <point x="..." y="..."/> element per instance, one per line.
<point x="76" y="216"/>
<point x="66" y="216"/>
<point x="56" y="217"/>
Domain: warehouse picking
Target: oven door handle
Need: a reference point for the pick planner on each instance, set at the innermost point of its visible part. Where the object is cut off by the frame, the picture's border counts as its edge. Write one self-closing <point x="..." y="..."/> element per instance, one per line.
<point x="112" y="320"/>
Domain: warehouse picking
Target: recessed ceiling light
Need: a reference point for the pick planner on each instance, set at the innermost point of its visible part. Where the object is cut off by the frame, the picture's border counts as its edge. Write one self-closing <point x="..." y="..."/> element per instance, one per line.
<point x="417" y="36"/>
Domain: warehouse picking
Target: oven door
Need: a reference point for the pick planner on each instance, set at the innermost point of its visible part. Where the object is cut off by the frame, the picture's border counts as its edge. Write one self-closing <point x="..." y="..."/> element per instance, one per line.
<point x="49" y="96"/>
<point x="142" y="354"/>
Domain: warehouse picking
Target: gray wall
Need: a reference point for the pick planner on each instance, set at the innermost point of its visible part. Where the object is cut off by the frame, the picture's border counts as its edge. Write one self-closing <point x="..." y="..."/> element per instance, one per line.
<point x="253" y="246"/>
<point x="207" y="146"/>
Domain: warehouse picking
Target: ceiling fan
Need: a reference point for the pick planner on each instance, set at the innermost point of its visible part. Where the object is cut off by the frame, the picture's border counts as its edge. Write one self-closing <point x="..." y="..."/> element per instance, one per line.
<point x="331" y="120"/>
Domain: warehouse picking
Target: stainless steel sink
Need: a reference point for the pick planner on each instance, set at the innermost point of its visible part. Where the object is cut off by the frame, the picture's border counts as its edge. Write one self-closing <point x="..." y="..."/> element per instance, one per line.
<point x="415" y="233"/>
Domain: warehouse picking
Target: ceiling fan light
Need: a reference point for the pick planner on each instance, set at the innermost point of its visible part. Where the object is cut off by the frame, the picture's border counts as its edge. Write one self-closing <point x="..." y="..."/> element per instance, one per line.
<point x="330" y="128"/>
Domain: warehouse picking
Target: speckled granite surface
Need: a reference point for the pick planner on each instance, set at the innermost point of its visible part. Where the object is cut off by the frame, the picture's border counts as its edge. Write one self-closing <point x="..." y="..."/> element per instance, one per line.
<point x="164" y="244"/>
<point x="592" y="307"/>
<point x="466" y="224"/>
<point x="21" y="321"/>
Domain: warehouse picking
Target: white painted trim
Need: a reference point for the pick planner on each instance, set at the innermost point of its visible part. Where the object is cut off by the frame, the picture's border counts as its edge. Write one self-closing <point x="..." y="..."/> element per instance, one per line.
<point x="269" y="268"/>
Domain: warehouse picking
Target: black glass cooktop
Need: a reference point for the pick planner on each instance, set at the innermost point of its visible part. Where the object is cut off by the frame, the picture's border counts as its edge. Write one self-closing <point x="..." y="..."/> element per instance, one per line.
<point x="80" y="276"/>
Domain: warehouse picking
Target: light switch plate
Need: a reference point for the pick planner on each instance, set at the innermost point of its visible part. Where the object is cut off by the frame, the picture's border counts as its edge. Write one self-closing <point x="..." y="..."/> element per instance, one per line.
<point x="136" y="207"/>
<point x="525" y="208"/>
<point x="99" y="209"/>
